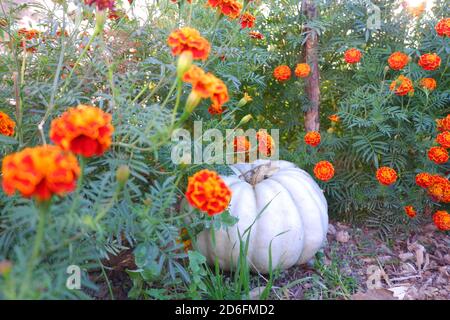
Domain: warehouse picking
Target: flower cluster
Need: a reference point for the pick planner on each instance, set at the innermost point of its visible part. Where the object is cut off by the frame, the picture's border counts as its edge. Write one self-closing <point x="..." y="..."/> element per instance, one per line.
<point x="438" y="155"/>
<point x="443" y="27"/>
<point x="282" y="73"/>
<point x="438" y="187"/>
<point x="7" y="125"/>
<point x="429" y="61"/>
<point x="208" y="192"/>
<point x="312" y="138"/>
<point x="324" y="170"/>
<point x="230" y="8"/>
<point x="302" y="70"/>
<point x="40" y="172"/>
<point x="206" y="85"/>
<point x="410" y="211"/>
<point x="84" y="130"/>
<point x="386" y="176"/>
<point x="402" y="86"/>
<point x="398" y="60"/>
<point x="189" y="40"/>
<point x="441" y="219"/>
<point x="352" y="55"/>
<point x="428" y="83"/>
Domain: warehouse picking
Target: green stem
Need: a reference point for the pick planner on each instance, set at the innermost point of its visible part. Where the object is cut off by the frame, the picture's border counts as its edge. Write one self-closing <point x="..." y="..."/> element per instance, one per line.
<point x="76" y="198"/>
<point x="43" y="209"/>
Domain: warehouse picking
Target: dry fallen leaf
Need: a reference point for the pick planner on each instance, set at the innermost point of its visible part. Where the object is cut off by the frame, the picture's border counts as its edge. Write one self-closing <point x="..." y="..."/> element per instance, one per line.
<point x="374" y="294"/>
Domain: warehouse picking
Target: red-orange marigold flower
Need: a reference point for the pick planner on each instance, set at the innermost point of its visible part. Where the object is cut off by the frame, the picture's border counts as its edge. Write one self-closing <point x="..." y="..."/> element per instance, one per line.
<point x="428" y="83"/>
<point x="302" y="70"/>
<point x="247" y="20"/>
<point x="386" y="175"/>
<point x="266" y="144"/>
<point x="241" y="144"/>
<point x="441" y="219"/>
<point x="282" y="73"/>
<point x="444" y="123"/>
<point x="101" y="4"/>
<point x="443" y="27"/>
<point x="206" y="85"/>
<point x="438" y="155"/>
<point x="256" y="35"/>
<point x="424" y="179"/>
<point x="429" y="61"/>
<point x="312" y="138"/>
<point x="444" y="139"/>
<point x="440" y="189"/>
<point x="208" y="192"/>
<point x="402" y="86"/>
<point x="352" y="55"/>
<point x="324" y="170"/>
<point x="28" y="34"/>
<point x="334" y="118"/>
<point x="189" y="39"/>
<point x="410" y="211"/>
<point x="40" y="172"/>
<point x="398" y="60"/>
<point x="84" y="130"/>
<point x="230" y="8"/>
<point x="214" y="109"/>
<point x="7" y="125"/>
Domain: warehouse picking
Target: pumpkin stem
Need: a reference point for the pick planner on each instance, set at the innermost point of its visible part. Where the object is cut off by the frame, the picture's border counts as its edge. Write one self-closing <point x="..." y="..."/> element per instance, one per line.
<point x="259" y="173"/>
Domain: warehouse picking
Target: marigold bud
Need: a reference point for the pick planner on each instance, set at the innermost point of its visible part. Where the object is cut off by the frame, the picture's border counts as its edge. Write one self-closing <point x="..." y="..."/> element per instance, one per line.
<point x="245" y="119"/>
<point x="122" y="175"/>
<point x="184" y="63"/>
<point x="246" y="99"/>
<point x="192" y="101"/>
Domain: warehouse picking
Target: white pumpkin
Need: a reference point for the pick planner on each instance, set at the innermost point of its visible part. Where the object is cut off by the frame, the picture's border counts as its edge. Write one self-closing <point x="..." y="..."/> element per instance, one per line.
<point x="295" y="219"/>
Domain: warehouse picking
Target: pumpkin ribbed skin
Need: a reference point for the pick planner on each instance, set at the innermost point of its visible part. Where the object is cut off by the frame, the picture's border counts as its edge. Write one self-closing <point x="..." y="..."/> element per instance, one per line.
<point x="295" y="219"/>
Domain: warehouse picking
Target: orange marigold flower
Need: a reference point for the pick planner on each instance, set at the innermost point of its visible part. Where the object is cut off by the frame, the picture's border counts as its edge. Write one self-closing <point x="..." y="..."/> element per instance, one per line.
<point x="424" y="179"/>
<point x="415" y="9"/>
<point x="247" y="20"/>
<point x="28" y="34"/>
<point x="302" y="70"/>
<point x="241" y="144"/>
<point x="334" y="118"/>
<point x="398" y="60"/>
<point x="282" y="73"/>
<point x="438" y="155"/>
<point x="441" y="219"/>
<point x="101" y="4"/>
<point x="208" y="192"/>
<point x="428" y="83"/>
<point x="402" y="86"/>
<point x="429" y="61"/>
<point x="312" y="138"/>
<point x="266" y="144"/>
<point x="386" y="175"/>
<point x="444" y="139"/>
<point x="189" y="39"/>
<point x="256" y="35"/>
<point x="40" y="172"/>
<point x="352" y="55"/>
<point x="443" y="124"/>
<point x="440" y="189"/>
<point x="214" y="109"/>
<point x="443" y="27"/>
<point x="185" y="240"/>
<point x="410" y="211"/>
<point x="206" y="85"/>
<point x="230" y="8"/>
<point x="84" y="130"/>
<point x="7" y="125"/>
<point x="324" y="170"/>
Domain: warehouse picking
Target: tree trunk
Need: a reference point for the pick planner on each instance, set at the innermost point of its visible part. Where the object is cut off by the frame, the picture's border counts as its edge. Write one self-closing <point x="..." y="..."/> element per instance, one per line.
<point x="310" y="54"/>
